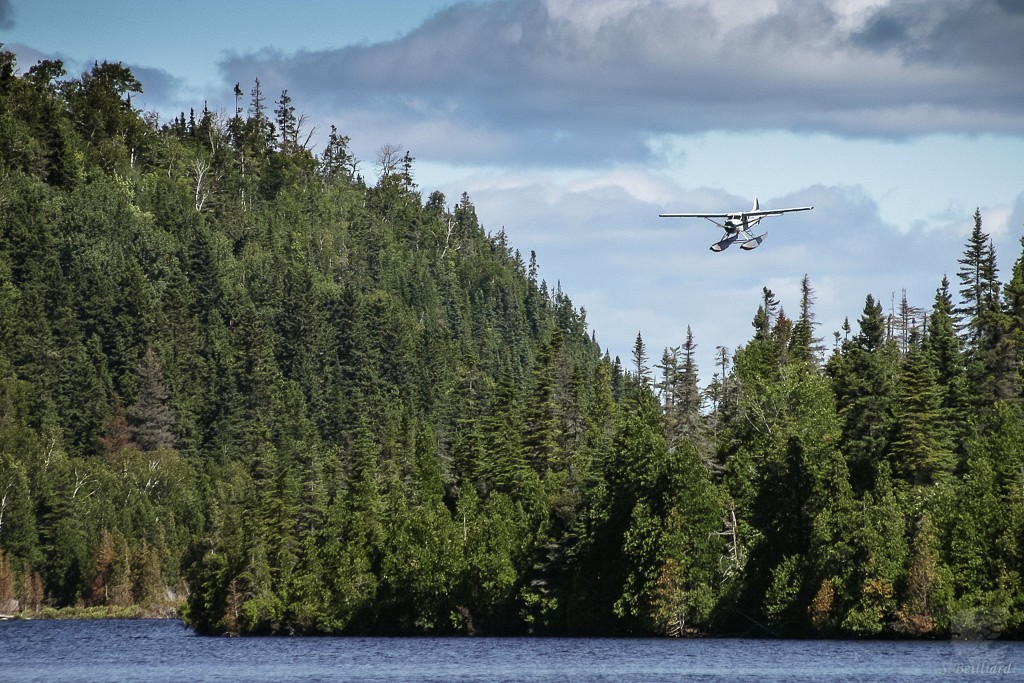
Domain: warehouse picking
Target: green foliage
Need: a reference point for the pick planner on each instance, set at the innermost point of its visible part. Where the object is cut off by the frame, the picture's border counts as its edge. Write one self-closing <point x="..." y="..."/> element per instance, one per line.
<point x="864" y="381"/>
<point x="237" y="379"/>
<point x="921" y="444"/>
<point x="881" y="551"/>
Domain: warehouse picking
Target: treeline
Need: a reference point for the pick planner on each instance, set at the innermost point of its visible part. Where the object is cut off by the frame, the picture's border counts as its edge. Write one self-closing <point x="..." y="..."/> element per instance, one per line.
<point x="236" y="376"/>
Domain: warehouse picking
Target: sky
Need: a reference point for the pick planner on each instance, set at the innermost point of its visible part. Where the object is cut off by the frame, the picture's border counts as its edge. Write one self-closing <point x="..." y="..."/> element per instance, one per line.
<point x="573" y="123"/>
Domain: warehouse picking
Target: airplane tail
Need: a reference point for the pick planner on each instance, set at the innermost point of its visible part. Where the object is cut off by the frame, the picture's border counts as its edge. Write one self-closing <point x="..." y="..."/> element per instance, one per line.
<point x="757" y="207"/>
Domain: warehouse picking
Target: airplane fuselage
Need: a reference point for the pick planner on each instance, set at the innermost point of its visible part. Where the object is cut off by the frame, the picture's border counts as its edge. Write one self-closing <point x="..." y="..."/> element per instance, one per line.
<point x="739" y="222"/>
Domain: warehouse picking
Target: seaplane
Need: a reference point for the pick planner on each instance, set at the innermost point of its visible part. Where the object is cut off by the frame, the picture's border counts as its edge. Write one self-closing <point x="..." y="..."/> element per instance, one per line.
<point x="738" y="224"/>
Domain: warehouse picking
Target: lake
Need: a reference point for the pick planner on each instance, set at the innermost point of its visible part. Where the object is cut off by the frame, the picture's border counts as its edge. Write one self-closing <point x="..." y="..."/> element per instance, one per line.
<point x="153" y="650"/>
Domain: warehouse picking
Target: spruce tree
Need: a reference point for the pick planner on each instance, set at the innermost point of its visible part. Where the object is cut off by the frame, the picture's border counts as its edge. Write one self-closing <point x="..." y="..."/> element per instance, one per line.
<point x="983" y="325"/>
<point x="863" y="376"/>
<point x="642" y="372"/>
<point x="974" y="284"/>
<point x="336" y="161"/>
<point x="1013" y="347"/>
<point x="804" y="346"/>
<point x="682" y="400"/>
<point x="505" y="466"/>
<point x="921" y="445"/>
<point x="151" y="414"/>
<point x="689" y="401"/>
<point x="943" y="347"/>
<point x="287" y="123"/>
<point x="542" y="428"/>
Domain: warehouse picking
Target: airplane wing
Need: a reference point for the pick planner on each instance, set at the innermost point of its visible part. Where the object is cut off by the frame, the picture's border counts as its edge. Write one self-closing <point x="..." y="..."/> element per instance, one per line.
<point x="736" y="214"/>
<point x="776" y="212"/>
<point x="694" y="215"/>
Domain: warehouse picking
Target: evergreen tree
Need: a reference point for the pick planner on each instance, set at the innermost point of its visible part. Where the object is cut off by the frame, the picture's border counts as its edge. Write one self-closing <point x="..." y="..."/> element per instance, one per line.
<point x="983" y="325"/>
<point x="287" y="123"/>
<point x="881" y="552"/>
<point x="336" y="161"/>
<point x="768" y="313"/>
<point x="863" y="375"/>
<point x="505" y="466"/>
<point x="921" y="613"/>
<point x="636" y="481"/>
<point x="687" y="582"/>
<point x="920" y="446"/>
<point x="942" y="345"/>
<point x="1012" y="360"/>
<point x="682" y="400"/>
<point x="542" y="428"/>
<point x="975" y="284"/>
<point x="804" y="346"/>
<point x="151" y="415"/>
<point x="641" y="370"/>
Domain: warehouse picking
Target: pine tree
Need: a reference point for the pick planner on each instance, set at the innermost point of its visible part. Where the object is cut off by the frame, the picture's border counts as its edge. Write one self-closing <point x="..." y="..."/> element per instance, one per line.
<point x="943" y="347"/>
<point x="921" y="447"/>
<point x="974" y="284"/>
<point x="642" y="372"/>
<point x="983" y="325"/>
<point x="804" y="346"/>
<point x="151" y="415"/>
<point x="505" y="466"/>
<point x="682" y="401"/>
<point x="1013" y="347"/>
<point x="542" y="428"/>
<point x="336" y="161"/>
<point x="287" y="124"/>
<point x="863" y="375"/>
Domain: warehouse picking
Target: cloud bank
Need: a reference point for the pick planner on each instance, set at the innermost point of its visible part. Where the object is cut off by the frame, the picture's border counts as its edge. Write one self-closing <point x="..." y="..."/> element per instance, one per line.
<point x="567" y="81"/>
<point x="636" y="272"/>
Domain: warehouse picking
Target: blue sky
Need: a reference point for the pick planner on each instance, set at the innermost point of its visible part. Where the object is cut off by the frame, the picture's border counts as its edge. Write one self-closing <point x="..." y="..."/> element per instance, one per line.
<point x="573" y="123"/>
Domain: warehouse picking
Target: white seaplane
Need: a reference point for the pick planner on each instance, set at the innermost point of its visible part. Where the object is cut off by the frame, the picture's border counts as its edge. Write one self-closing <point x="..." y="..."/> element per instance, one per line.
<point x="738" y="224"/>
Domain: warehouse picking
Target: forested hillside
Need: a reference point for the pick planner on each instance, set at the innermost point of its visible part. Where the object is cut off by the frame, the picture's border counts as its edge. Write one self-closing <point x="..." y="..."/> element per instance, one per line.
<point x="237" y="377"/>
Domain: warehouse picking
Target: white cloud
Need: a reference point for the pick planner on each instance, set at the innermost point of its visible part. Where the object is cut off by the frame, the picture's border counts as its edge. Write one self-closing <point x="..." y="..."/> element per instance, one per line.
<point x="570" y="81"/>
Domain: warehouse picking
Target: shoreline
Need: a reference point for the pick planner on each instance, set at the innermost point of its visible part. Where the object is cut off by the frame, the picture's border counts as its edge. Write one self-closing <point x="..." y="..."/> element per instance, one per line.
<point x="89" y="613"/>
<point x="172" y="612"/>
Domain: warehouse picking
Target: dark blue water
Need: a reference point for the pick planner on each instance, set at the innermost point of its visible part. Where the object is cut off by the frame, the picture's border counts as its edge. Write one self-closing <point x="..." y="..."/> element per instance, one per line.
<point x="167" y="651"/>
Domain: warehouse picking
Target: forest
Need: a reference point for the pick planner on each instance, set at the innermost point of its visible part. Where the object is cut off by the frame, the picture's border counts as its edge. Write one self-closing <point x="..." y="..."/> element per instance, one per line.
<point x="243" y="384"/>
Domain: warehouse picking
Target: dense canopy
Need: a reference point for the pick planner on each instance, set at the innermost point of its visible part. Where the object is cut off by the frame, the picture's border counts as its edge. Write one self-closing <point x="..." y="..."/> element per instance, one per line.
<point x="237" y="378"/>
